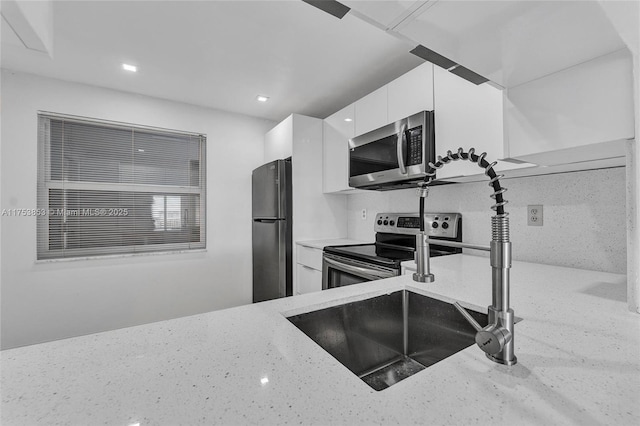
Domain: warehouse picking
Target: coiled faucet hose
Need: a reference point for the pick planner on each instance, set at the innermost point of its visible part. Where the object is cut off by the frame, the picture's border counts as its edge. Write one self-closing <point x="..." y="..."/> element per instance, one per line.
<point x="494" y="179"/>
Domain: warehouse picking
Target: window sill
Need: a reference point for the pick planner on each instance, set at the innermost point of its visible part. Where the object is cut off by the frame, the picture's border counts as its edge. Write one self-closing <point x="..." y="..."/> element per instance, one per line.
<point x="119" y="256"/>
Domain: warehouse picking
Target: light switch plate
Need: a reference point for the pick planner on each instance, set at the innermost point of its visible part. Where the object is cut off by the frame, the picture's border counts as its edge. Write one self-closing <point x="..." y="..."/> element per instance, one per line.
<point x="534" y="215"/>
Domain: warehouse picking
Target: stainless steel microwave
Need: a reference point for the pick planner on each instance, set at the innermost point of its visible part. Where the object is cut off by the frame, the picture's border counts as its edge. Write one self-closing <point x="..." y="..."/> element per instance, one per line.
<point x="394" y="156"/>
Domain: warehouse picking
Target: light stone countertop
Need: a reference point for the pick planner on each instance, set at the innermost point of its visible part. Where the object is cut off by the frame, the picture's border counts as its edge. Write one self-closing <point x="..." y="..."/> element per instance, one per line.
<point x="578" y="350"/>
<point x="320" y="244"/>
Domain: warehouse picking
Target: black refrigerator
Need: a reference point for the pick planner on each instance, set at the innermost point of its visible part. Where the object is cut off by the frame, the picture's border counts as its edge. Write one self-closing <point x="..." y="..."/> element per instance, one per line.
<point x="271" y="230"/>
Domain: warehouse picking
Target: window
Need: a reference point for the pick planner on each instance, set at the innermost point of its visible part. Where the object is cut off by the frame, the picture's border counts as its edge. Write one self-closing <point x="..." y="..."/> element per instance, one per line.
<point x="106" y="188"/>
<point x="168" y="212"/>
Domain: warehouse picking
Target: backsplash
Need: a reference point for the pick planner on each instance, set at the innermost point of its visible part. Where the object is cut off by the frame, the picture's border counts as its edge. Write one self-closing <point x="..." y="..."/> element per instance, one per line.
<point x="584" y="216"/>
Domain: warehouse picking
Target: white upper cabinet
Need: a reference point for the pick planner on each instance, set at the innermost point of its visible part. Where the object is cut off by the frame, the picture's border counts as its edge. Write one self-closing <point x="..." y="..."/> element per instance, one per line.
<point x="278" y="142"/>
<point x="404" y="96"/>
<point x="411" y="93"/>
<point x="579" y="114"/>
<point x="371" y="111"/>
<point x="567" y="76"/>
<point x="338" y="129"/>
<point x="459" y="120"/>
<point x="468" y="116"/>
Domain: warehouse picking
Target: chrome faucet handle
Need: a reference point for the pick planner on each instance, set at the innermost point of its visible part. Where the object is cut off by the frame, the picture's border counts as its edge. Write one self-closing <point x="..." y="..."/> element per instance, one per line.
<point x="492" y="338"/>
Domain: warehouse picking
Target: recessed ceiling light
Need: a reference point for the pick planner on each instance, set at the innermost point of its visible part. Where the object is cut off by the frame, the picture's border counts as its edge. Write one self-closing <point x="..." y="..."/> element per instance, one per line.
<point x="261" y="98"/>
<point x="128" y="67"/>
<point x="348" y="119"/>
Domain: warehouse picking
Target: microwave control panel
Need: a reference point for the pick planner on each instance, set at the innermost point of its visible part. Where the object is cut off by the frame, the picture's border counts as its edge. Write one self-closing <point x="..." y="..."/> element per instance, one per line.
<point x="414" y="146"/>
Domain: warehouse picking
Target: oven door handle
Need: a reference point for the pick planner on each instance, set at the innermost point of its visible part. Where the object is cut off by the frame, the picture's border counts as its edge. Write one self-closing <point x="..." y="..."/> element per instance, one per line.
<point x="356" y="270"/>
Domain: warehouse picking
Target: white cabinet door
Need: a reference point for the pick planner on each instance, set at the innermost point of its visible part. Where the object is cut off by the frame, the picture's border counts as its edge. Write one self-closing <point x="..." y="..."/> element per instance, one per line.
<point x="371" y="111"/>
<point x="309" y="256"/>
<point x="466" y="115"/>
<point x="411" y="93"/>
<point x="579" y="114"/>
<point x="338" y="129"/>
<point x="309" y="279"/>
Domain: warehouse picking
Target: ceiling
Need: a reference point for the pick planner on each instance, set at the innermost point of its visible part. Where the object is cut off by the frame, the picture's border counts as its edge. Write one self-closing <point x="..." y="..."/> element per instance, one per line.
<point x="218" y="54"/>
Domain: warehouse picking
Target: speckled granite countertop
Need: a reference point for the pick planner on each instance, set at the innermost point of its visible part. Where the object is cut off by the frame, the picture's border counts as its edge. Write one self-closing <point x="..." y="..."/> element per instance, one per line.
<point x="578" y="351"/>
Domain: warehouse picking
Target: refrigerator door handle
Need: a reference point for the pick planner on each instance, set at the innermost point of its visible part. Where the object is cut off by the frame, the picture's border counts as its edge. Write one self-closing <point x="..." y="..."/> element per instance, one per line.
<point x="266" y="220"/>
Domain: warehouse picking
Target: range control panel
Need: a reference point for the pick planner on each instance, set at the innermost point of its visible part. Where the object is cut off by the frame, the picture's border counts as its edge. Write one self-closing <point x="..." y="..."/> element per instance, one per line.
<point x="444" y="225"/>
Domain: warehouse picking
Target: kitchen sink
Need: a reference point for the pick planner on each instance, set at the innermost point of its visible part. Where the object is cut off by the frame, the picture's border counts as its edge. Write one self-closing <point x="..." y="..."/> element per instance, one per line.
<point x="388" y="338"/>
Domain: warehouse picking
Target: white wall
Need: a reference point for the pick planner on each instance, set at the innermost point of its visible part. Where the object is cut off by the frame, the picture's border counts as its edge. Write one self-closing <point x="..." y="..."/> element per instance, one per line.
<point x="584" y="216"/>
<point x="46" y="301"/>
<point x="633" y="194"/>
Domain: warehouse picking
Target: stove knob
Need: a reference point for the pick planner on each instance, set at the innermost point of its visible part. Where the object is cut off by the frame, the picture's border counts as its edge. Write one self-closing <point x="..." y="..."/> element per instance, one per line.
<point x="392" y="223"/>
<point x="386" y="222"/>
<point x="445" y="225"/>
<point x="434" y="225"/>
<point x="379" y="221"/>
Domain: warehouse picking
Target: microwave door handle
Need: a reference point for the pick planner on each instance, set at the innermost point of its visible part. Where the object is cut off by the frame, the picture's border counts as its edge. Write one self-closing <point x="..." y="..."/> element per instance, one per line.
<point x="401" y="149"/>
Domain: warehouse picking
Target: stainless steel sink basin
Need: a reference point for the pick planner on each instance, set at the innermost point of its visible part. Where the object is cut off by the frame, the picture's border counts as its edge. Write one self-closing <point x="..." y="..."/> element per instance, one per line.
<point x="388" y="338"/>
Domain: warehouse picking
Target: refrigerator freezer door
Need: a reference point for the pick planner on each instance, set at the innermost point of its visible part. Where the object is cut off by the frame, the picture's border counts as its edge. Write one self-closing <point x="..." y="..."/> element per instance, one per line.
<point x="269" y="191"/>
<point x="271" y="262"/>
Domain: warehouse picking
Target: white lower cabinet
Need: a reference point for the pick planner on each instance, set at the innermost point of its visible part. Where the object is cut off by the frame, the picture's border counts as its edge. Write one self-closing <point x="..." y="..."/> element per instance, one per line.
<point x="308" y="269"/>
<point x="310" y="256"/>
<point x="309" y="279"/>
<point x="308" y="260"/>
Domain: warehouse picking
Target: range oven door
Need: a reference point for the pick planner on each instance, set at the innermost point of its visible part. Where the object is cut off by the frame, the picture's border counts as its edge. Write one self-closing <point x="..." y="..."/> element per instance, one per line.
<point x="338" y="271"/>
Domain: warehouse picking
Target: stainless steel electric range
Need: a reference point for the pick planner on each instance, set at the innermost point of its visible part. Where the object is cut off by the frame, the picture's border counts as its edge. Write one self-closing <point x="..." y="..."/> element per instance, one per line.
<point x="395" y="243"/>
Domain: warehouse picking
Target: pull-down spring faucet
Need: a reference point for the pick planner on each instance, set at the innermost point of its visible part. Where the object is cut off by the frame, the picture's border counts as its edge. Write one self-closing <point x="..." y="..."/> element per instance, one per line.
<point x="497" y="338"/>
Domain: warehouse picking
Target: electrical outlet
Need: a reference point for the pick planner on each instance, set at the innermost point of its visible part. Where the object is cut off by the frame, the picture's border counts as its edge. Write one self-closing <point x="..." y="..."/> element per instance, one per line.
<point x="363" y="214"/>
<point x="534" y="215"/>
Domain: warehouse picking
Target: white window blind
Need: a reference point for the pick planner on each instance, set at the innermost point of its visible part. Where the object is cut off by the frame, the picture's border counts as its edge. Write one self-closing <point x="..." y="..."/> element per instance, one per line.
<point x="107" y="188"/>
